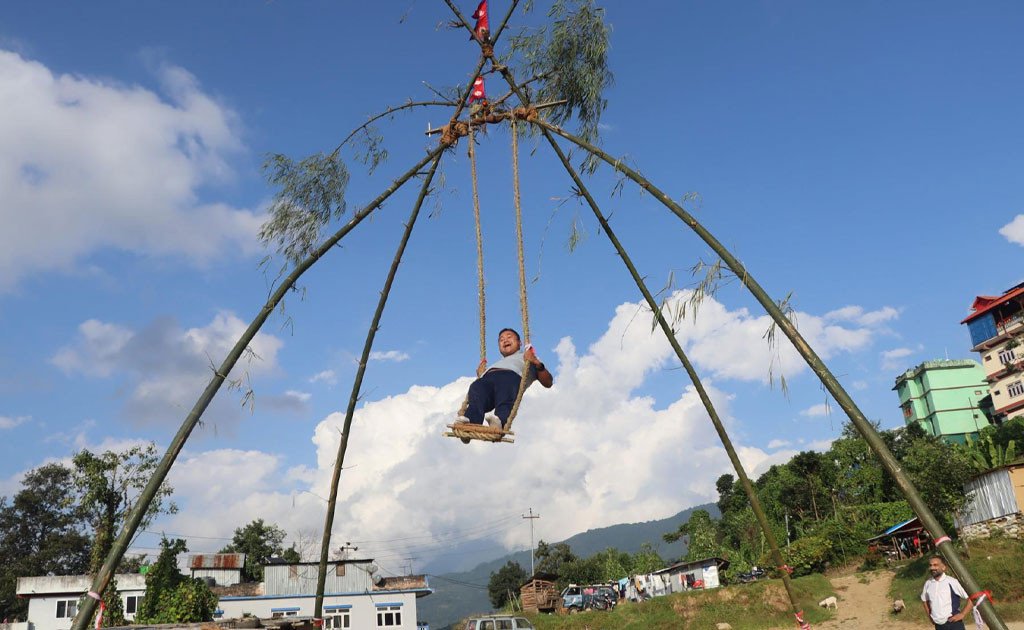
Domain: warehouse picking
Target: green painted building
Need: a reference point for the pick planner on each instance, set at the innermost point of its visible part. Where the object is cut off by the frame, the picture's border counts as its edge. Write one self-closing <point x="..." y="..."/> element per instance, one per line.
<point x="948" y="398"/>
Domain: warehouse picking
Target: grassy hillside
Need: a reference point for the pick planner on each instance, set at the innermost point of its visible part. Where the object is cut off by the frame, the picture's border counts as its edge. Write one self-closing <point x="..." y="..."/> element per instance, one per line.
<point x="746" y="607"/>
<point x="996" y="564"/>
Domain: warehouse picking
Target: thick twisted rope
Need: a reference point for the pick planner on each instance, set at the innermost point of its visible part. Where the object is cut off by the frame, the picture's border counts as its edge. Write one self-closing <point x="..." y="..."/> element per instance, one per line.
<point x="479" y="248"/>
<point x="523" y="306"/>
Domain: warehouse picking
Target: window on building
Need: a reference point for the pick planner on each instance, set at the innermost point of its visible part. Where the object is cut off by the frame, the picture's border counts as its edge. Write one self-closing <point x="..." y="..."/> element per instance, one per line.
<point x="131" y="604"/>
<point x="1007" y="356"/>
<point x="908" y="412"/>
<point x="66" y="608"/>
<point x="389" y="616"/>
<point x="1015" y="389"/>
<point x="339" y="570"/>
<point x="277" y="614"/>
<point x="337" y="619"/>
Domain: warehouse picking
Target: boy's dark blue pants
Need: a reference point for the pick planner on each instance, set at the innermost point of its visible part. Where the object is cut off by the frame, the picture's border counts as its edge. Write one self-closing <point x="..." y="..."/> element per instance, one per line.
<point x="495" y="390"/>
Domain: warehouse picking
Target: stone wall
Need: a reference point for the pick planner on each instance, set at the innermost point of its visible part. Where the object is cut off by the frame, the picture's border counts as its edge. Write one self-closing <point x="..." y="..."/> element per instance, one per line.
<point x="1011" y="526"/>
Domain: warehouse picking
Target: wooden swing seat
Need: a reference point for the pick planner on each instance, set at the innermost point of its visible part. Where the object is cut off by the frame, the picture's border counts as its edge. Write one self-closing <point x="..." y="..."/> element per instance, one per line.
<point x="470" y="431"/>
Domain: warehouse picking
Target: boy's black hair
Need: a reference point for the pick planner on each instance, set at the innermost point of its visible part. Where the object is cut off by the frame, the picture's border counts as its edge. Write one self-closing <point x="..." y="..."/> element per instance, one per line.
<point x="513" y="331"/>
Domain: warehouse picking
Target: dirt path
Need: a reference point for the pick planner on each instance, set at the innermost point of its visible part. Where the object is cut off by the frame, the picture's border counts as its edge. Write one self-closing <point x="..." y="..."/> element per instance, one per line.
<point x="864" y="603"/>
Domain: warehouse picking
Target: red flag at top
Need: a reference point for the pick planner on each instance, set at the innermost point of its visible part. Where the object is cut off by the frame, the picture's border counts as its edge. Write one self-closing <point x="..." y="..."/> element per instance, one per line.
<point x="478" y="91"/>
<point x="483" y="24"/>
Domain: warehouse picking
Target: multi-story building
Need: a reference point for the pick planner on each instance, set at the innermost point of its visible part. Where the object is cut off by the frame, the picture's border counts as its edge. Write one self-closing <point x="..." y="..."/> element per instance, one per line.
<point x="356" y="595"/>
<point x="947" y="398"/>
<point x="53" y="599"/>
<point x="997" y="330"/>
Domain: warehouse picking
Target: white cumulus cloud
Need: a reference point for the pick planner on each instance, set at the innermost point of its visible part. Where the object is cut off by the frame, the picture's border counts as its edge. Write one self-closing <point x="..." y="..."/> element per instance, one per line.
<point x="111" y="166"/>
<point x="814" y="411"/>
<point x="8" y="422"/>
<point x="894" y="359"/>
<point x="590" y="452"/>
<point x="1014" y="230"/>
<point x="166" y="366"/>
<point x="389" y="355"/>
<point x="325" y="376"/>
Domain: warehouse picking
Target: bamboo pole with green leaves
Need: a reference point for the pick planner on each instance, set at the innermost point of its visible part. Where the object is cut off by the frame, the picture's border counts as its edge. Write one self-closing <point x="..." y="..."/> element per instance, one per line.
<point x="339" y="462"/>
<point x="828" y="380"/>
<point x="705" y="399"/>
<point x="134" y="518"/>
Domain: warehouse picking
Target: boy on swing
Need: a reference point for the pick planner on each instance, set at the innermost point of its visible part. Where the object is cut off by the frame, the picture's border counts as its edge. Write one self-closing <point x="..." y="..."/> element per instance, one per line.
<point x="497" y="385"/>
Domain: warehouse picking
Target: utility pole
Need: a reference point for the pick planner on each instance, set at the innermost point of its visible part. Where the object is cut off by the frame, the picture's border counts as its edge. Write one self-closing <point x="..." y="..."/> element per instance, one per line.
<point x="531" y="517"/>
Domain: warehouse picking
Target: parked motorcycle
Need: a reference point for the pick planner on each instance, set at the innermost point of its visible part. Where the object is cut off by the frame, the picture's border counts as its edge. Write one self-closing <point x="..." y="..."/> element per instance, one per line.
<point x="753" y="575"/>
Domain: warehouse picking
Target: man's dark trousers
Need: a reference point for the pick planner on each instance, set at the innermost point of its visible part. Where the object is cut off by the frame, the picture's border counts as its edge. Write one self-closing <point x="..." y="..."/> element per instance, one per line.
<point x="950" y="625"/>
<point x="497" y="390"/>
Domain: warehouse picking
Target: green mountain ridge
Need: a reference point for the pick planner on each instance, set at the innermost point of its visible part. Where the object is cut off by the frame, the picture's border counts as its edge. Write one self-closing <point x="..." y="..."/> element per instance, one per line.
<point x="460" y="594"/>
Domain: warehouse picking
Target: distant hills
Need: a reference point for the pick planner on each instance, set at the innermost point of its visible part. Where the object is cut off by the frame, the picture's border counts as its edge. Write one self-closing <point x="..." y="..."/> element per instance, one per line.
<point x="460" y="594"/>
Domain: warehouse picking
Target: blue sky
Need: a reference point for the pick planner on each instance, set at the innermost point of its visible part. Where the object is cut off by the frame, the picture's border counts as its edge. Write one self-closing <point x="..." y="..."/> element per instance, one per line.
<point x="865" y="158"/>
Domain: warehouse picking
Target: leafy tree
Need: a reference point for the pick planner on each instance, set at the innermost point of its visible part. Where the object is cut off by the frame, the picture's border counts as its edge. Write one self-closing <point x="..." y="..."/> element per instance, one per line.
<point x="987" y="454"/>
<point x="701" y="532"/>
<point x="259" y="542"/>
<point x="808" y="555"/>
<point x="505" y="583"/>
<point x="108" y="485"/>
<point x="644" y="561"/>
<point x="172" y="597"/>
<point x="939" y="470"/>
<point x="41" y="531"/>
<point x="551" y="558"/>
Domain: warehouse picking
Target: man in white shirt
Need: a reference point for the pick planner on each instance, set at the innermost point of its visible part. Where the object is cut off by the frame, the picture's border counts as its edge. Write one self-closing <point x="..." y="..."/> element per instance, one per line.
<point x="943" y="596"/>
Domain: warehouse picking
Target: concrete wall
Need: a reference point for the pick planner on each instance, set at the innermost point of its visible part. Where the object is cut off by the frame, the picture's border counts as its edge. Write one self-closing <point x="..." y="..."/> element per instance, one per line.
<point x="44" y="592"/>
<point x="362" y="607"/>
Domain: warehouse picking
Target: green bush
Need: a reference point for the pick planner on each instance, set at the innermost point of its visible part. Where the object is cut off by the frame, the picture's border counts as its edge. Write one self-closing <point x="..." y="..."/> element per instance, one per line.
<point x="807" y="555"/>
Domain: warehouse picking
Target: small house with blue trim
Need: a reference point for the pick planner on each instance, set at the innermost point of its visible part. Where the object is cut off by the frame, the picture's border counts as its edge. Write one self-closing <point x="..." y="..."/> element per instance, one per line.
<point x="355" y="595"/>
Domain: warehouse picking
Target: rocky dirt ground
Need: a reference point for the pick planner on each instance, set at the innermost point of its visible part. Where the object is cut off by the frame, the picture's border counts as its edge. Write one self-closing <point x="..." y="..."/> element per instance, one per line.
<point x="864" y="603"/>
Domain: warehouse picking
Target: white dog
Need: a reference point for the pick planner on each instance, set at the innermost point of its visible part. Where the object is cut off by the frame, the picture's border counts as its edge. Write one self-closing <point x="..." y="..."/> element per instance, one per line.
<point x="830" y="602"/>
<point x="898" y="606"/>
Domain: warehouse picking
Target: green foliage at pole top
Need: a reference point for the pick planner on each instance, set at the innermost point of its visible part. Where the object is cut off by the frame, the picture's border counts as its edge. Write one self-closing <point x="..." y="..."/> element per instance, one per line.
<point x="172" y="597"/>
<point x="259" y="542"/>
<point x="311" y="194"/>
<point x="505" y="583"/>
<point x="571" y="54"/>
<point x="108" y="485"/>
<point x="40" y="532"/>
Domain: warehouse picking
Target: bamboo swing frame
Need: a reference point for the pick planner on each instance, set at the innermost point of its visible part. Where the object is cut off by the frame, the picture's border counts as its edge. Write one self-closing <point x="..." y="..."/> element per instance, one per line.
<point x="133" y="520"/>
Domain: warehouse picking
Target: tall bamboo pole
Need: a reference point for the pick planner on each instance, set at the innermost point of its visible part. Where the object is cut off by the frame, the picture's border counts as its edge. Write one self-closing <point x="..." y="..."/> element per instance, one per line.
<point x="705" y="399"/>
<point x="332" y="500"/>
<point x="131" y="524"/>
<point x="828" y="380"/>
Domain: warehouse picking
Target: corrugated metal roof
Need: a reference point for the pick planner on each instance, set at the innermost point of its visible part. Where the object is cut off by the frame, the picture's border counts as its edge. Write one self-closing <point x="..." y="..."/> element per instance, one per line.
<point x="985" y="303"/>
<point x="217" y="561"/>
